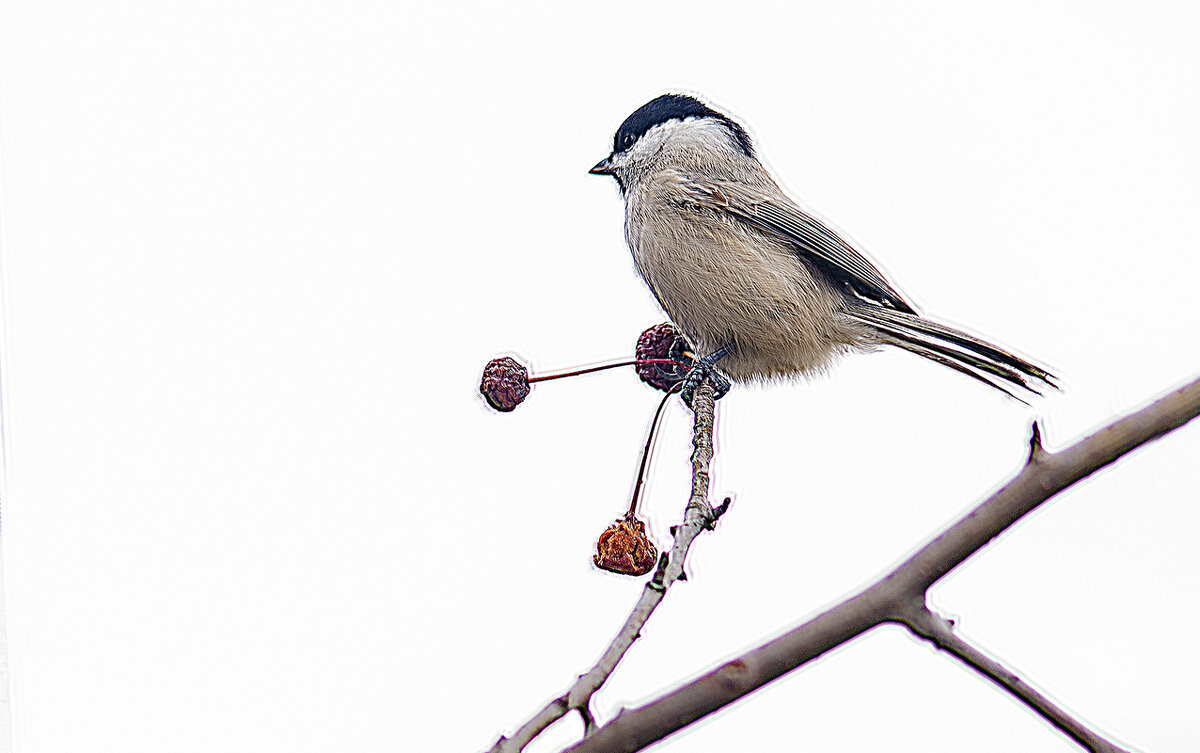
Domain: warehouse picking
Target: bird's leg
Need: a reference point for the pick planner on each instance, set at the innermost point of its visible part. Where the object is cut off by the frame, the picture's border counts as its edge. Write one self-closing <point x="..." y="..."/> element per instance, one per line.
<point x="705" y="368"/>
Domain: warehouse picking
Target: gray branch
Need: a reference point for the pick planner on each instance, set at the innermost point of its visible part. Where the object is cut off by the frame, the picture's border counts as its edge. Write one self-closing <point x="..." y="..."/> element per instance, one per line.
<point x="899" y="597"/>
<point x="937" y="630"/>
<point x="698" y="517"/>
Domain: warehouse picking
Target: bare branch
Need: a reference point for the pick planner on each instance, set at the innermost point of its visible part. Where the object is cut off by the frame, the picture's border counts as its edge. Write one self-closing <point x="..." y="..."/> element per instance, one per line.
<point x="937" y="631"/>
<point x="890" y="599"/>
<point x="1045" y="475"/>
<point x="698" y="517"/>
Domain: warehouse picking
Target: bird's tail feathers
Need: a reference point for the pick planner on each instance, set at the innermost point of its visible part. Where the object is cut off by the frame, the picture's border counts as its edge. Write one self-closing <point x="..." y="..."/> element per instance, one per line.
<point x="956" y="349"/>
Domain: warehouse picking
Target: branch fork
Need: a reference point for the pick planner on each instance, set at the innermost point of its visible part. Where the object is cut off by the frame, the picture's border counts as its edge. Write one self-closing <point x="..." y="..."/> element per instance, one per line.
<point x="699" y="516"/>
<point x="898" y="597"/>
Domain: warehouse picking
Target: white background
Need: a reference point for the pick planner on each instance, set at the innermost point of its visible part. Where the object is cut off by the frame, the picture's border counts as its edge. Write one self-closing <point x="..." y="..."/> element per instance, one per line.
<point x="255" y="256"/>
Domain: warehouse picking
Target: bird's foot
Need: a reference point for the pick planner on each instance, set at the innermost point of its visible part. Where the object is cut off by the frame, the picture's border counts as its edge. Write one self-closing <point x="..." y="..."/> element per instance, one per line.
<point x="705" y="368"/>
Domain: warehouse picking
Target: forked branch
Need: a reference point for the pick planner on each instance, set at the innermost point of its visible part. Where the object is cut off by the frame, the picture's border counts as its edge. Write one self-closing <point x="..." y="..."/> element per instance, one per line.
<point x="899" y="597"/>
<point x="698" y="517"/>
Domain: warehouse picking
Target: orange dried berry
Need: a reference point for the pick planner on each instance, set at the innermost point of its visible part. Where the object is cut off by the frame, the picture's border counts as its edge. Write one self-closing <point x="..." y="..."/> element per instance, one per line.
<point x="624" y="548"/>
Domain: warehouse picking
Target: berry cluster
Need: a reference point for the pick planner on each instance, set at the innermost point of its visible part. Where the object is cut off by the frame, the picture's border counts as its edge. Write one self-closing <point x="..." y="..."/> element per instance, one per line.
<point x="662" y="361"/>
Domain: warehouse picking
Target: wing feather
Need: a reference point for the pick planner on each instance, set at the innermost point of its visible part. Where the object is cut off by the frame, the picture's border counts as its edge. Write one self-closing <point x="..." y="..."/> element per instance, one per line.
<point x="813" y="239"/>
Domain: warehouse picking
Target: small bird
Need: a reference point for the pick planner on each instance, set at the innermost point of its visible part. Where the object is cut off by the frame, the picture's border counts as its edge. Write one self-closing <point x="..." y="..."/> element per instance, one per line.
<point x="752" y="279"/>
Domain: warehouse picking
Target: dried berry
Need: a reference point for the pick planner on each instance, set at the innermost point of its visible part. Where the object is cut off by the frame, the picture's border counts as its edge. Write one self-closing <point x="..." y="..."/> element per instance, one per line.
<point x="624" y="548"/>
<point x="662" y="341"/>
<point x="505" y="383"/>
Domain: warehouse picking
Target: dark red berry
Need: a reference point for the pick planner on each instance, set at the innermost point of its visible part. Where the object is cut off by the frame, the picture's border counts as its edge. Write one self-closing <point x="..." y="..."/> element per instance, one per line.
<point x="505" y="383"/>
<point x="662" y="341"/>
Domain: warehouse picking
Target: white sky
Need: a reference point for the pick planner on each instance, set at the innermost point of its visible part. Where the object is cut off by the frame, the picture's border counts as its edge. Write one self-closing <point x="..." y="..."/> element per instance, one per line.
<point x="256" y="254"/>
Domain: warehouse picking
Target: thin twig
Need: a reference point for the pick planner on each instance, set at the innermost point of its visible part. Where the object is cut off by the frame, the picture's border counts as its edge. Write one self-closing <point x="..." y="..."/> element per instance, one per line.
<point x="936" y="630"/>
<point x="592" y="369"/>
<point x="649" y="448"/>
<point x="699" y="516"/>
<point x="890" y="598"/>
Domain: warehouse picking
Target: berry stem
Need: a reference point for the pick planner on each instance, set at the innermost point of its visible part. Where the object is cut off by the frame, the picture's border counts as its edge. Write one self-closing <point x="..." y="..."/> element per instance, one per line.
<point x="590" y="369"/>
<point x="641" y="477"/>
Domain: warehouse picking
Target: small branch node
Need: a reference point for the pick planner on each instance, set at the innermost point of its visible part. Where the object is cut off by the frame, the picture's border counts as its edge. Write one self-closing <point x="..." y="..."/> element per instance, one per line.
<point x="579" y="695"/>
<point x="589" y="721"/>
<point x="717" y="512"/>
<point x="1036" y="450"/>
<point x="908" y="609"/>
<point x="658" y="582"/>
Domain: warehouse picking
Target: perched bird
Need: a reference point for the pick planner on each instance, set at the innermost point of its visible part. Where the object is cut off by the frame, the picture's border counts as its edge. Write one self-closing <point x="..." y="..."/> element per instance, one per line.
<point x="755" y="282"/>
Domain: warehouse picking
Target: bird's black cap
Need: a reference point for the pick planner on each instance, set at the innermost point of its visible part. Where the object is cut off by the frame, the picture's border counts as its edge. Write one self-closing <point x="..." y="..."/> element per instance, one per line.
<point x="674" y="107"/>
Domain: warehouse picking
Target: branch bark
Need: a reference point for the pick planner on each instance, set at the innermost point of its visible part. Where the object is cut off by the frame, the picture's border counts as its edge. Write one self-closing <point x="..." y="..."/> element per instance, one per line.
<point x="899" y="597"/>
<point x="937" y="630"/>
<point x="698" y="517"/>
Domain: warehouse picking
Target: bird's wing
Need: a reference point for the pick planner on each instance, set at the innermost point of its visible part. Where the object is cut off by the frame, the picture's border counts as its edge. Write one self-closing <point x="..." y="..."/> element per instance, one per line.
<point x="812" y="238"/>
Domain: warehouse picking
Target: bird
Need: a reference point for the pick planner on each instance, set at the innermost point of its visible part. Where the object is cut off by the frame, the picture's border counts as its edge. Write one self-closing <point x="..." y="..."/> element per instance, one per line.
<point x="761" y="287"/>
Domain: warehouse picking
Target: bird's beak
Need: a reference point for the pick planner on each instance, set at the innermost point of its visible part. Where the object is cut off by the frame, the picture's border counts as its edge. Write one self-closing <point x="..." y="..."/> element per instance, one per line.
<point x="603" y="167"/>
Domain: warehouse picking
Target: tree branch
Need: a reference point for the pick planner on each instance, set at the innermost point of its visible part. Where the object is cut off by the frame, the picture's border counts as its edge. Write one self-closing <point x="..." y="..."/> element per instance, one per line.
<point x="937" y="631"/>
<point x="698" y="517"/>
<point x="890" y="599"/>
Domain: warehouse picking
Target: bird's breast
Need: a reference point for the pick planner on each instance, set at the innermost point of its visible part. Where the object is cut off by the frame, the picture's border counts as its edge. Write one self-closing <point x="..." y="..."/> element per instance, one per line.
<point x="724" y="283"/>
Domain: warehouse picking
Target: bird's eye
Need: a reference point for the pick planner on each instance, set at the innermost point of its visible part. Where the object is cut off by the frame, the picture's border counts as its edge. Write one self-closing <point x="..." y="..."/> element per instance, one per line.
<point x="627" y="141"/>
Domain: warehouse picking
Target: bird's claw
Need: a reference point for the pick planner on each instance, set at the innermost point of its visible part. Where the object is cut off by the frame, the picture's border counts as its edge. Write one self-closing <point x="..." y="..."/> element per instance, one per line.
<point x="701" y="371"/>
